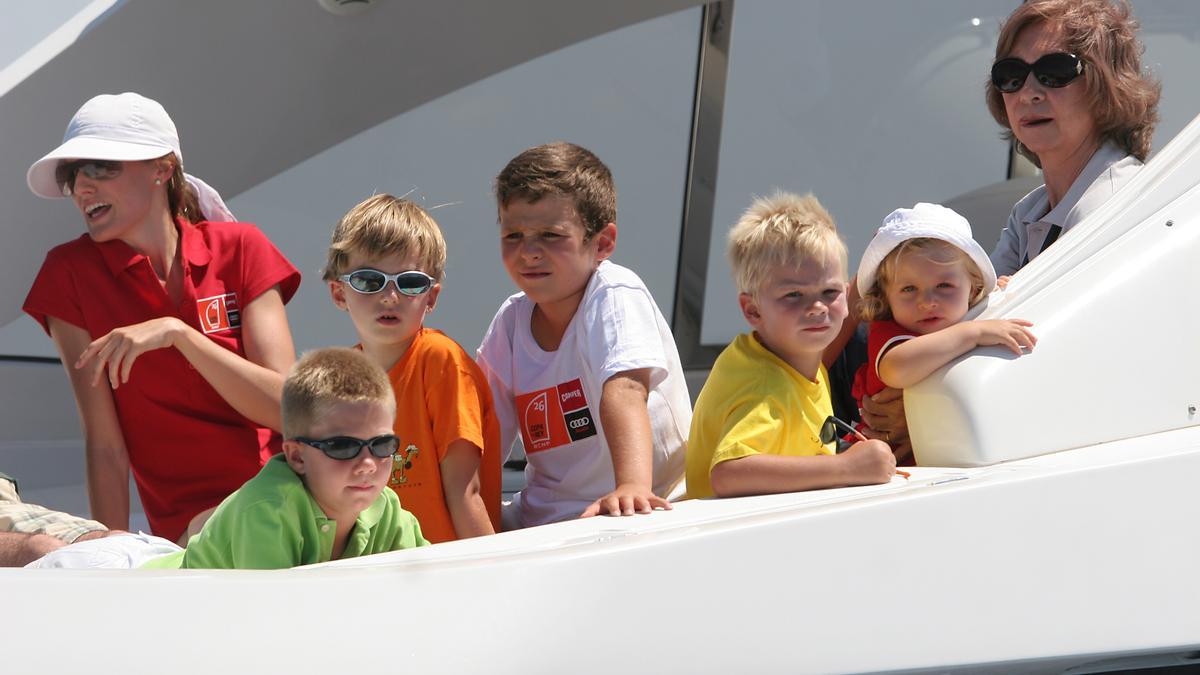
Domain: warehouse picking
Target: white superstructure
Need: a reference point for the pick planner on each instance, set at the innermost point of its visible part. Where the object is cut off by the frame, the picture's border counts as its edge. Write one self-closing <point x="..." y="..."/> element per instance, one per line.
<point x="1064" y="542"/>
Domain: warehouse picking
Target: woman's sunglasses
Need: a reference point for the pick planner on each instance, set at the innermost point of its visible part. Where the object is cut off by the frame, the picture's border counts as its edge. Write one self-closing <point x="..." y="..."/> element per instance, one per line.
<point x="95" y="169"/>
<point x="369" y="281"/>
<point x="348" y="447"/>
<point x="1052" y="70"/>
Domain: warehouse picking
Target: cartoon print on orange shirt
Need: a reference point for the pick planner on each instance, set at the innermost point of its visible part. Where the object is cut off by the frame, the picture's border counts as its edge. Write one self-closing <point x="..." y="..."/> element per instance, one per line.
<point x="554" y="416"/>
<point x="219" y="312"/>
<point x="401" y="462"/>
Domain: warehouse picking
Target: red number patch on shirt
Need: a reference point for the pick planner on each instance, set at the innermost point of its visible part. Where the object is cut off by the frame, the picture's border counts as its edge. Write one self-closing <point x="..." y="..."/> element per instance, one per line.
<point x="219" y="312"/>
<point x="554" y="416"/>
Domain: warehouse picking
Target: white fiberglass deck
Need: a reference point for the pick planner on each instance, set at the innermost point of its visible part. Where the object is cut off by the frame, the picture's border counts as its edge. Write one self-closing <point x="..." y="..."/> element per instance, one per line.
<point x="1037" y="564"/>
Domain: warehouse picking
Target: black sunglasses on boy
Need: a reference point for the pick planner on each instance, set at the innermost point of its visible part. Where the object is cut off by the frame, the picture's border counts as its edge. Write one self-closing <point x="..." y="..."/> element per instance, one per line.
<point x="348" y="447"/>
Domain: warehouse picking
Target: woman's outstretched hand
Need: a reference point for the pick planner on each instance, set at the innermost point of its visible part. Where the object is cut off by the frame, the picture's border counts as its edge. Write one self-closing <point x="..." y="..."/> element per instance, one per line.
<point x="115" y="353"/>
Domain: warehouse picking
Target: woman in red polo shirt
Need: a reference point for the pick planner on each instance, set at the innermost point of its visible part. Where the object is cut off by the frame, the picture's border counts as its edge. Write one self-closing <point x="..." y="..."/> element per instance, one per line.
<point x="171" y="327"/>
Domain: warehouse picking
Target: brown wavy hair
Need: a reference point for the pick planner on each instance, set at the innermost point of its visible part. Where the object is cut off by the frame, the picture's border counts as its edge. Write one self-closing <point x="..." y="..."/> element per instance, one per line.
<point x="181" y="198"/>
<point x="1103" y="33"/>
<point x="566" y="170"/>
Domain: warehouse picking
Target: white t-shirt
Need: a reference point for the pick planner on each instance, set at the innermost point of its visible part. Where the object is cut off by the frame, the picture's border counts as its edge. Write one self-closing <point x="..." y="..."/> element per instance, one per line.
<point x="552" y="399"/>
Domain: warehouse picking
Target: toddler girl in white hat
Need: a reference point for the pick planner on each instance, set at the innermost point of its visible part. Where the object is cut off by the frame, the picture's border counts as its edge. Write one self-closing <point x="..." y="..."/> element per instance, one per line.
<point x="918" y="278"/>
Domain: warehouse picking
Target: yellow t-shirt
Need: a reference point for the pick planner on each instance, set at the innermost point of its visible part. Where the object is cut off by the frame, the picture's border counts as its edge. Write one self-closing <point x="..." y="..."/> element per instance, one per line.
<point x="754" y="403"/>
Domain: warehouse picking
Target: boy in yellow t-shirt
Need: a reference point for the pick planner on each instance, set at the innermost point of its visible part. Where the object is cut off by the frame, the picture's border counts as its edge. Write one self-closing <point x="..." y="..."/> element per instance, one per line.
<point x="385" y="269"/>
<point x="756" y="427"/>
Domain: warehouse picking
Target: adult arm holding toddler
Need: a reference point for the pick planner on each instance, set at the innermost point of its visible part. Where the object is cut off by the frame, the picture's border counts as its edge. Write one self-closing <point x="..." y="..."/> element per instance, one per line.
<point x="882" y="414"/>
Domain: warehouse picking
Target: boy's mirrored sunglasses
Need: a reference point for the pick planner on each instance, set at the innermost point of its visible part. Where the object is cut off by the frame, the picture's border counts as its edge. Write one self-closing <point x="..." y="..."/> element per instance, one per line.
<point x="347" y="447"/>
<point x="369" y="281"/>
<point x="1052" y="70"/>
<point x="96" y="169"/>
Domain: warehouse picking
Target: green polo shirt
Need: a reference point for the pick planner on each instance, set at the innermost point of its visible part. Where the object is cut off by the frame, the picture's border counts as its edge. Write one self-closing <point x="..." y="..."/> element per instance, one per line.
<point x="273" y="522"/>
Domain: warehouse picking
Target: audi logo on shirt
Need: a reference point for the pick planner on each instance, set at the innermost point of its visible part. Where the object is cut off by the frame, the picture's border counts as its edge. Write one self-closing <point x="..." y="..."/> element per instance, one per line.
<point x="554" y="416"/>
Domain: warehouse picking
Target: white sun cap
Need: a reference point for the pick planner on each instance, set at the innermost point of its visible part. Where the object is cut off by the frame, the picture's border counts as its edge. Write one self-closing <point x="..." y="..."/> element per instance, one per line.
<point x="119" y="127"/>
<point x="923" y="220"/>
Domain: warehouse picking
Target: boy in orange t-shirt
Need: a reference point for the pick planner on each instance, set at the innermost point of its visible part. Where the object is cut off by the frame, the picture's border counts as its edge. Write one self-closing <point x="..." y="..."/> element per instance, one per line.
<point x="384" y="267"/>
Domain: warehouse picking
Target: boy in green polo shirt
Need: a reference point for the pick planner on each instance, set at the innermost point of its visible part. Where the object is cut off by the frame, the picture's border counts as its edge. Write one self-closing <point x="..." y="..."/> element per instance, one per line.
<point x="322" y="499"/>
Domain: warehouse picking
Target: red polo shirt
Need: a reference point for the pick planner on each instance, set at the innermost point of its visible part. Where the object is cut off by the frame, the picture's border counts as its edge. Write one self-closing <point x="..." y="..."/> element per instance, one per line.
<point x="188" y="448"/>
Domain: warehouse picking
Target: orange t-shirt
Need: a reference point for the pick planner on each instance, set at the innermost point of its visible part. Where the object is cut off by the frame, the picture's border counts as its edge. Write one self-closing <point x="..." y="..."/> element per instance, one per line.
<point x="441" y="396"/>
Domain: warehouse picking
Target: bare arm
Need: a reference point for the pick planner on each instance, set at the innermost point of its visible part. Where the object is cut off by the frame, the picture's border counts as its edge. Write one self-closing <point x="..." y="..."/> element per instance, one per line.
<point x="104" y="445"/>
<point x="460" y="483"/>
<point x="252" y="385"/>
<point x="627" y="429"/>
<point x="913" y="360"/>
<point x="18" y="549"/>
<point x="864" y="463"/>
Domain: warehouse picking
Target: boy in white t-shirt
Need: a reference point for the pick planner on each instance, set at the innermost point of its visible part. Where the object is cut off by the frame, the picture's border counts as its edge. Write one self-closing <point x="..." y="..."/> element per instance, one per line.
<point x="581" y="362"/>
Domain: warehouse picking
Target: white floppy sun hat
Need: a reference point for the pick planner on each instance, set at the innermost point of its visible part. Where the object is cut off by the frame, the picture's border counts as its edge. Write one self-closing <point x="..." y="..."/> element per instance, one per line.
<point x="118" y="127"/>
<point x="923" y="220"/>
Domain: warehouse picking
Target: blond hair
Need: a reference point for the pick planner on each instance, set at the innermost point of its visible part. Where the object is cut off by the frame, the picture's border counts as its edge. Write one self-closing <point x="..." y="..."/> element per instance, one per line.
<point x="325" y="377"/>
<point x="783" y="229"/>
<point x="874" y="305"/>
<point x="384" y="225"/>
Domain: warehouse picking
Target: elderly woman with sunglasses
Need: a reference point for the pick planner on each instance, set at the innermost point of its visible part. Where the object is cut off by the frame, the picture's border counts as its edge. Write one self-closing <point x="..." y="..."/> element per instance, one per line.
<point x="170" y="324"/>
<point x="1068" y="86"/>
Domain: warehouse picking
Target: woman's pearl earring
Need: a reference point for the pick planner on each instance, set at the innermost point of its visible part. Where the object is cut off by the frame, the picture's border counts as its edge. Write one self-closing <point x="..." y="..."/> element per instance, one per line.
<point x="158" y="181"/>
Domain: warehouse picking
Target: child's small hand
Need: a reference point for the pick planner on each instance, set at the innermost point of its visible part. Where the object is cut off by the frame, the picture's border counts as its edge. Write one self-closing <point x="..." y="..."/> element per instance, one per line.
<point x="868" y="463"/>
<point x="1002" y="282"/>
<point x="625" y="501"/>
<point x="1011" y="333"/>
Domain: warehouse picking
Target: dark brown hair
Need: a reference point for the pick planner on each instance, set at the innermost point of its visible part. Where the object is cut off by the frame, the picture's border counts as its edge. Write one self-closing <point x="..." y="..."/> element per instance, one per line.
<point x="562" y="169"/>
<point x="181" y="198"/>
<point x="1103" y="33"/>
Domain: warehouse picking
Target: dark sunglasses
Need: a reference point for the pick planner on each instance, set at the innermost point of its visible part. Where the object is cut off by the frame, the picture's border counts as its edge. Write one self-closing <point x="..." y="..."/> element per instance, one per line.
<point x="348" y="447"/>
<point x="1052" y="70"/>
<point x="368" y="281"/>
<point x="95" y="169"/>
<point x="833" y="428"/>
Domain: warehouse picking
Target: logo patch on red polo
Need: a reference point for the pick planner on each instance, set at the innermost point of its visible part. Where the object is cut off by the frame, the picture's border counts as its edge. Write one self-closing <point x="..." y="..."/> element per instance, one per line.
<point x="554" y="416"/>
<point x="218" y="313"/>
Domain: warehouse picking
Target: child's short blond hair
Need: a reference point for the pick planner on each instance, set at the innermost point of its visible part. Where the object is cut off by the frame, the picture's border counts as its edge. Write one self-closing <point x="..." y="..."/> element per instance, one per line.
<point x="874" y="305"/>
<point x="783" y="229"/>
<point x="325" y="377"/>
<point x="383" y="225"/>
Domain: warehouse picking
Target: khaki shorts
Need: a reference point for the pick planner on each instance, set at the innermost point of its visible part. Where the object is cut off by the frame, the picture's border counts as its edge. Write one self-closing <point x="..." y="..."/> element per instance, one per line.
<point x="17" y="516"/>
